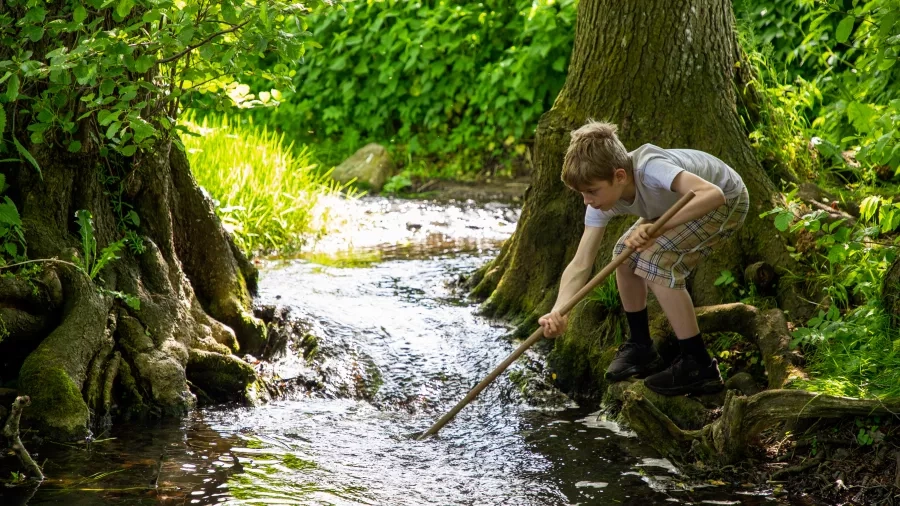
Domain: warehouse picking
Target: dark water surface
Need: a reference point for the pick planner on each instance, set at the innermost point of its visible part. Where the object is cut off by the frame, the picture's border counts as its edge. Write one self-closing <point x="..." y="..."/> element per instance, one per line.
<point x="398" y="346"/>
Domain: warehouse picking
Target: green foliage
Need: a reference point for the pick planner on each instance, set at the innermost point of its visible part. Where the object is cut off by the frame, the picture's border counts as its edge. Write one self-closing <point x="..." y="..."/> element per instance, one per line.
<point x="397" y="184"/>
<point x="127" y="219"/>
<point x="868" y="432"/>
<point x="90" y="262"/>
<point x="12" y="240"/>
<point x="115" y="73"/>
<point x="851" y="348"/>
<point x="264" y="191"/>
<point x="607" y="293"/>
<point x="840" y="88"/>
<point x="451" y="82"/>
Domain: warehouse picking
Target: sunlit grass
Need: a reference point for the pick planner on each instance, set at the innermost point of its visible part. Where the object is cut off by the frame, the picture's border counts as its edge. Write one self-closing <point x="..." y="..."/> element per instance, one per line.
<point x="858" y="356"/>
<point x="265" y="190"/>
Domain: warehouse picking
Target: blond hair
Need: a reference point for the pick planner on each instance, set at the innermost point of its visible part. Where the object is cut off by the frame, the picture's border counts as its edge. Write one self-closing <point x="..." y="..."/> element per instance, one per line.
<point x="594" y="154"/>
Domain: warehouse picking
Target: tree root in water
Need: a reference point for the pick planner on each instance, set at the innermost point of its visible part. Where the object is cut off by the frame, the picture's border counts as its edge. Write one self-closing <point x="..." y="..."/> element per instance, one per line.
<point x="11" y="431"/>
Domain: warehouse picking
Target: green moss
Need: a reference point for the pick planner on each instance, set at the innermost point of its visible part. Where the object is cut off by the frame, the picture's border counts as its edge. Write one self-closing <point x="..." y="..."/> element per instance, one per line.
<point x="309" y="346"/>
<point x="224" y="377"/>
<point x="580" y="357"/>
<point x="131" y="402"/>
<point x="56" y="401"/>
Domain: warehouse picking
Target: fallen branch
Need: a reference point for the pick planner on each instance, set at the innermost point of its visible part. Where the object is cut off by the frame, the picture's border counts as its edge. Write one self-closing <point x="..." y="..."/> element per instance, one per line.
<point x="11" y="431"/>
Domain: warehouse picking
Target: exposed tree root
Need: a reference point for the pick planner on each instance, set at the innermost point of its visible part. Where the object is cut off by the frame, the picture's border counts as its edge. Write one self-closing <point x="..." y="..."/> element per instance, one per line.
<point x="84" y="356"/>
<point x="767" y="329"/>
<point x="11" y="431"/>
<point x="726" y="440"/>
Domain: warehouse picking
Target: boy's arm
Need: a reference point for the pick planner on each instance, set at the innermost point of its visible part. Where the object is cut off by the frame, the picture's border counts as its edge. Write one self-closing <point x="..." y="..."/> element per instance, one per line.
<point x="579" y="269"/>
<point x="708" y="197"/>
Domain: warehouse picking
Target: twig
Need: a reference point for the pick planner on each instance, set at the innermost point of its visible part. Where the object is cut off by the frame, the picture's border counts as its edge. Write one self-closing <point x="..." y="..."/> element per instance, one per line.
<point x="11" y="431"/>
<point x="202" y="43"/>
<point x="40" y="260"/>
<point x="897" y="473"/>
<point x="798" y="468"/>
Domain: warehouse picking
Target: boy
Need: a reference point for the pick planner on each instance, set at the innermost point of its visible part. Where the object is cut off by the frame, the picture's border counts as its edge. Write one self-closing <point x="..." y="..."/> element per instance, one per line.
<point x="646" y="182"/>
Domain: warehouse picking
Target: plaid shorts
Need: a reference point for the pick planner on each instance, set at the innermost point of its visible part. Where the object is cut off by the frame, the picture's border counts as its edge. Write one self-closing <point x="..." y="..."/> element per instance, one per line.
<point x="674" y="255"/>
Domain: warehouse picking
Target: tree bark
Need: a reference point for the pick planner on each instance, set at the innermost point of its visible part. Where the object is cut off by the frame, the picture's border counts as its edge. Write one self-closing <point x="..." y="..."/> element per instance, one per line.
<point x="668" y="74"/>
<point x="86" y="357"/>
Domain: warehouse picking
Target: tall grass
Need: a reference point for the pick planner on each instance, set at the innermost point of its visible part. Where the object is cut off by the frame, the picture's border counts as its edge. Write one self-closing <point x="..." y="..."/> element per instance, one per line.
<point x="265" y="190"/>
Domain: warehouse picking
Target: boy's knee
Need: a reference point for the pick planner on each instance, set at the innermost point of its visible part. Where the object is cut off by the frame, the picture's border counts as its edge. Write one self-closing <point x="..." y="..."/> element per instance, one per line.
<point x="625" y="270"/>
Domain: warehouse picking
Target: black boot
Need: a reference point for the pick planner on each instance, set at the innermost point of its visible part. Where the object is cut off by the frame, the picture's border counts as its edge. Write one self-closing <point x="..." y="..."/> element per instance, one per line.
<point x="633" y="359"/>
<point x="687" y="376"/>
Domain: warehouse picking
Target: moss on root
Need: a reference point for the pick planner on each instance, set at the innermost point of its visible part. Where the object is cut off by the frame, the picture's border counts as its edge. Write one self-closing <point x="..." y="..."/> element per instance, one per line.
<point x="56" y="400"/>
<point x="222" y="377"/>
<point x="581" y="356"/>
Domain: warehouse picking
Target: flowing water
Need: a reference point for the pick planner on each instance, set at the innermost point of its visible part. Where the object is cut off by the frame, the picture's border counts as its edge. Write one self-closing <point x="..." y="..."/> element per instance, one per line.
<point x="397" y="346"/>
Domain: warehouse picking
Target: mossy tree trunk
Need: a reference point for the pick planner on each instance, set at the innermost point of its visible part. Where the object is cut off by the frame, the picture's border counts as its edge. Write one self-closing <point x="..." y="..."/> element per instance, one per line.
<point x="668" y="73"/>
<point x="84" y="355"/>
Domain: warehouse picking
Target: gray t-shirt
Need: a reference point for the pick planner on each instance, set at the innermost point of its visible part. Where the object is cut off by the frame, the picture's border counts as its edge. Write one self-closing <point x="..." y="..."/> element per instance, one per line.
<point x="654" y="170"/>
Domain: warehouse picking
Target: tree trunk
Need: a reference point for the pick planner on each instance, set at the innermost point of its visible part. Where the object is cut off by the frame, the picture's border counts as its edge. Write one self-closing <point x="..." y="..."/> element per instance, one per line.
<point x="668" y="74"/>
<point x="87" y="356"/>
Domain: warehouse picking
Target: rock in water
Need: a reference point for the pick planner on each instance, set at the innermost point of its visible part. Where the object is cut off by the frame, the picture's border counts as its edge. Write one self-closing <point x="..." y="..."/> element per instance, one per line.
<point x="371" y="165"/>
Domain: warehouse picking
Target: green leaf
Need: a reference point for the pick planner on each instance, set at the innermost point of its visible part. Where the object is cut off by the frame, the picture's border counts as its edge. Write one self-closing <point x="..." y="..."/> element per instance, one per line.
<point x="129" y="150"/>
<point x="24" y="152"/>
<point x="844" y="29"/>
<point x="861" y="115"/>
<point x="12" y="88"/>
<point x="79" y="14"/>
<point x="2" y="123"/>
<point x="783" y="221"/>
<point x="113" y="129"/>
<point x="107" y="87"/>
<point x="124" y="8"/>
<point x="144" y="63"/>
<point x="133" y="218"/>
<point x="74" y="147"/>
<point x="9" y="215"/>
<point x="10" y="249"/>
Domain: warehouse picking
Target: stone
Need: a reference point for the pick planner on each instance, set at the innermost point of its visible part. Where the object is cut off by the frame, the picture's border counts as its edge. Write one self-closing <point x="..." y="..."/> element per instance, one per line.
<point x="371" y="166"/>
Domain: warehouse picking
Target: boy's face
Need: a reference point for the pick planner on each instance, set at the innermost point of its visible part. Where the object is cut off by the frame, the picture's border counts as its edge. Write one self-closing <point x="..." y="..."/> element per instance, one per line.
<point x="602" y="194"/>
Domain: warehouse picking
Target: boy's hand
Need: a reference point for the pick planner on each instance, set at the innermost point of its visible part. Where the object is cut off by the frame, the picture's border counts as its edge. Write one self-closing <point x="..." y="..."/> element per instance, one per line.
<point x="640" y="239"/>
<point x="554" y="324"/>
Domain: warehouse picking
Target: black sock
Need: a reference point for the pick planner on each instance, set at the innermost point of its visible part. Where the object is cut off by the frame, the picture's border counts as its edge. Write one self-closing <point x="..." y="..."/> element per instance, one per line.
<point x="694" y="347"/>
<point x="639" y="326"/>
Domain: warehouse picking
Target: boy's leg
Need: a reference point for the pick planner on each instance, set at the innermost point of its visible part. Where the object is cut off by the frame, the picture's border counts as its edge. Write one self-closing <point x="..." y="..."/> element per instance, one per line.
<point x="632" y="288"/>
<point x="694" y="371"/>
<point x="637" y="355"/>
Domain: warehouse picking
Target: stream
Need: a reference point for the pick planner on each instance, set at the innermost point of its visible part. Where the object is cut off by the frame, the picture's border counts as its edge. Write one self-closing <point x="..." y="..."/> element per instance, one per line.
<point x="397" y="344"/>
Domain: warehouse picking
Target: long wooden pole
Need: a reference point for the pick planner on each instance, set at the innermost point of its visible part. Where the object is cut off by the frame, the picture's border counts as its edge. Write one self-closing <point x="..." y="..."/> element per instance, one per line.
<point x="539" y="333"/>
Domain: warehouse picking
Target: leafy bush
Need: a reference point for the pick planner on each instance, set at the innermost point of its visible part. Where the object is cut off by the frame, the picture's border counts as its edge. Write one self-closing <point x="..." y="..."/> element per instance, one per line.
<point x="841" y="72"/>
<point x="468" y="79"/>
<point x="264" y="191"/>
<point x="851" y="347"/>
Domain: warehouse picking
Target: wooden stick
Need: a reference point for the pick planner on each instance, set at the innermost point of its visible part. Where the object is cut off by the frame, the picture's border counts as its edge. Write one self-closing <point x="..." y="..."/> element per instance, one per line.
<point x="539" y="333"/>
